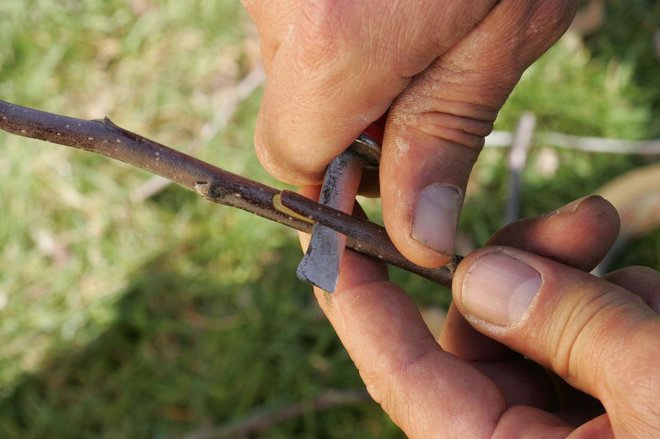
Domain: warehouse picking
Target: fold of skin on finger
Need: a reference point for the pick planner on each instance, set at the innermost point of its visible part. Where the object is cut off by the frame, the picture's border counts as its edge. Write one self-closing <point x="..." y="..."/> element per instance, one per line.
<point x="274" y="19"/>
<point x="461" y="339"/>
<point x="576" y="407"/>
<point x="339" y="68"/>
<point x="598" y="427"/>
<point x="529" y="422"/>
<point x="598" y="337"/>
<point x="436" y="127"/>
<point x="521" y="382"/>
<point x="642" y="281"/>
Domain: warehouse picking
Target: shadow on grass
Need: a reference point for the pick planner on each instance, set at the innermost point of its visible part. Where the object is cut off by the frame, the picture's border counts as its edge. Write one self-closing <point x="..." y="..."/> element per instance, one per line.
<point x="188" y="351"/>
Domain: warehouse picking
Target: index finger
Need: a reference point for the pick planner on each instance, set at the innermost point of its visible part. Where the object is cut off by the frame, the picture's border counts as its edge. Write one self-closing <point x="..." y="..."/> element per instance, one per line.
<point x="423" y="389"/>
<point x="419" y="385"/>
<point x="339" y="68"/>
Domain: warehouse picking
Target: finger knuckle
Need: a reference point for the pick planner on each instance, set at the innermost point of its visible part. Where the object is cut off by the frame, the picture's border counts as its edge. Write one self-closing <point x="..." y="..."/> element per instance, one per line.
<point x="458" y="123"/>
<point x="634" y="381"/>
<point x="585" y="335"/>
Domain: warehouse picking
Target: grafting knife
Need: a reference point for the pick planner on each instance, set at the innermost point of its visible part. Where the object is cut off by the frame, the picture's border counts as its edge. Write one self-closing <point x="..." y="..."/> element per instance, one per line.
<point x="321" y="263"/>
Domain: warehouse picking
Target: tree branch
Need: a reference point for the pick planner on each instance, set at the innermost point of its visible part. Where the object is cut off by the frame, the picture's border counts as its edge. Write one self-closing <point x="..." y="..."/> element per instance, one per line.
<point x="215" y="184"/>
<point x="264" y="419"/>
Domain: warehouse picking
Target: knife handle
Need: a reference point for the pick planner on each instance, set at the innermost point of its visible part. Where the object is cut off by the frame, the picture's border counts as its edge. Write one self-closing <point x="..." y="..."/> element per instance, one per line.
<point x="367" y="146"/>
<point x="376" y="130"/>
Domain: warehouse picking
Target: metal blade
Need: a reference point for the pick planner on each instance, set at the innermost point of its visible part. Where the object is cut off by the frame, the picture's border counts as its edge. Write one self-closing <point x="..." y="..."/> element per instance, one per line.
<point x="320" y="265"/>
<point x="322" y="260"/>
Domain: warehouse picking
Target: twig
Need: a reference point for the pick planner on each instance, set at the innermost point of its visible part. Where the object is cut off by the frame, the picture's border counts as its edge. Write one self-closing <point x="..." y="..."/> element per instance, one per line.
<point x="365" y="236"/>
<point x="504" y="139"/>
<point x="211" y="182"/>
<point x="265" y="419"/>
<point x="224" y="113"/>
<point x="599" y="144"/>
<point x="522" y="142"/>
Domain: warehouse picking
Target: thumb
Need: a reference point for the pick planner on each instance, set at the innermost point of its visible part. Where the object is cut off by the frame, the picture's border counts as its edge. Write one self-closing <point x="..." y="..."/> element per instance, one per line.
<point x="599" y="337"/>
<point x="436" y="127"/>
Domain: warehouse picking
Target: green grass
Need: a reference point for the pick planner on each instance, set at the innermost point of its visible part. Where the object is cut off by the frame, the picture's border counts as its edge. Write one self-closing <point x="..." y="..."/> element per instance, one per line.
<point x="156" y="318"/>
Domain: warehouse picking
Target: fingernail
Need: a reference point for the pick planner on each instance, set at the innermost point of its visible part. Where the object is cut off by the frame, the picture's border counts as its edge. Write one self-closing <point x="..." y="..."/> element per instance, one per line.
<point x="573" y="206"/>
<point x="499" y="288"/>
<point x="435" y="218"/>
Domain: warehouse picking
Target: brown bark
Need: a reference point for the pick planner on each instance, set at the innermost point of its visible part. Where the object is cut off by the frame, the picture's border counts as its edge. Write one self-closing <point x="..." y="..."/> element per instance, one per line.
<point x="102" y="136"/>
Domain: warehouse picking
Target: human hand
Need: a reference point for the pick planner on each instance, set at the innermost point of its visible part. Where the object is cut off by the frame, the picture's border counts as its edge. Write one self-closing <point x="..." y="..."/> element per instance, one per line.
<point x="536" y="310"/>
<point x="442" y="68"/>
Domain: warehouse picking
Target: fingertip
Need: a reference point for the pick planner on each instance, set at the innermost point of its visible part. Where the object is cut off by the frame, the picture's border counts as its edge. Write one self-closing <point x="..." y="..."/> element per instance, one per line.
<point x="578" y="234"/>
<point x="596" y="207"/>
<point x="570" y="321"/>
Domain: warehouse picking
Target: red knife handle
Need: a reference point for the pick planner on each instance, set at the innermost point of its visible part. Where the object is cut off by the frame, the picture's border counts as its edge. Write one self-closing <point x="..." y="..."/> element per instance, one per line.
<point x="376" y="130"/>
<point x="367" y="146"/>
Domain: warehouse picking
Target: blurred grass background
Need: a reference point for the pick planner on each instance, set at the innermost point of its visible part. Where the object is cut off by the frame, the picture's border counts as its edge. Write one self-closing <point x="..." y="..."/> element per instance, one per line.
<point x="172" y="317"/>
